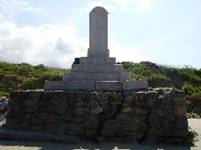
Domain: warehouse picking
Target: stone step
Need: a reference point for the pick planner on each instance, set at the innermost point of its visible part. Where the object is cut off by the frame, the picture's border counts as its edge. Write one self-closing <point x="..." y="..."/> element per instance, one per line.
<point x="97" y="68"/>
<point x="83" y="85"/>
<point x="98" y="52"/>
<point x="96" y="86"/>
<point x="92" y="76"/>
<point x="97" y="60"/>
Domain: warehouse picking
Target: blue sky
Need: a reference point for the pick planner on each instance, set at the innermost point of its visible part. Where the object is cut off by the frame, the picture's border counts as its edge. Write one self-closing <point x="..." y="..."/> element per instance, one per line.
<point x="54" y="32"/>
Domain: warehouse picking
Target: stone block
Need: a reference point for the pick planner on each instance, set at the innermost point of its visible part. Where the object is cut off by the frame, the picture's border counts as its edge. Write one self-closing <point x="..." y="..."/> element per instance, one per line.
<point x="94" y="68"/>
<point x="90" y="77"/>
<point x="105" y="76"/>
<point x="82" y="85"/>
<point x="102" y="76"/>
<point x="92" y="60"/>
<point x="86" y="82"/>
<point x="101" y="68"/>
<point x="70" y="85"/>
<point x="98" y="53"/>
<point x="137" y="84"/>
<point x="108" y="86"/>
<point x="77" y="76"/>
<point x="79" y="68"/>
<point x="97" y="60"/>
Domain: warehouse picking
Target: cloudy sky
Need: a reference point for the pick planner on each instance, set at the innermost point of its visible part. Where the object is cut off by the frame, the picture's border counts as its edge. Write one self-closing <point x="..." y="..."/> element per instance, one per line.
<point x="53" y="32"/>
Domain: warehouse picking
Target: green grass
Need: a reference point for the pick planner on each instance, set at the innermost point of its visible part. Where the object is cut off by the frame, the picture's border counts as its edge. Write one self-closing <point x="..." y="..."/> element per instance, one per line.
<point x="3" y="93"/>
<point x="144" y="70"/>
<point x="26" y="76"/>
<point x="193" y="92"/>
<point x="177" y="77"/>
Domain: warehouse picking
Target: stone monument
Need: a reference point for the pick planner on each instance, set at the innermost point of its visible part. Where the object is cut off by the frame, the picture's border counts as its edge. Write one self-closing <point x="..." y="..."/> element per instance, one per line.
<point x="97" y="101"/>
<point x="97" y="71"/>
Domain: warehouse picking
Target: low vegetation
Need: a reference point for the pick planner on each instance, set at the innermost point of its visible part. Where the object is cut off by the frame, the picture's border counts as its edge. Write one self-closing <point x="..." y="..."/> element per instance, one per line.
<point x="25" y="76"/>
<point x="186" y="78"/>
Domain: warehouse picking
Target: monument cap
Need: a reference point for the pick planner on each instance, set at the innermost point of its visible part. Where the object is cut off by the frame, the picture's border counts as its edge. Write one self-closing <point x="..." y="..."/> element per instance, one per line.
<point x="99" y="9"/>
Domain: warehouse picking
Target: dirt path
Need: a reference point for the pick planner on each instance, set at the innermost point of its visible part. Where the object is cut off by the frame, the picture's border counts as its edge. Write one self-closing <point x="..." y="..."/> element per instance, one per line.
<point x="195" y="124"/>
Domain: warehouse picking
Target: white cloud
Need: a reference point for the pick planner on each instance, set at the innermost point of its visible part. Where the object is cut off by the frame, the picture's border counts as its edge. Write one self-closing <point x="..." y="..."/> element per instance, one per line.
<point x="10" y="8"/>
<point x="52" y="45"/>
<point x="139" y="6"/>
<point x="125" y="53"/>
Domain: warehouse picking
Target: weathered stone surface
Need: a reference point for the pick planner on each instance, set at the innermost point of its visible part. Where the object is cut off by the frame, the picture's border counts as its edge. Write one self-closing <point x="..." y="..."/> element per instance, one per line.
<point x="18" y="135"/>
<point x="157" y="115"/>
<point x="3" y="105"/>
<point x="98" y="60"/>
<point x="70" y="85"/>
<point x="194" y="107"/>
<point x="137" y="84"/>
<point x="97" y="110"/>
<point x="108" y="86"/>
<point x="98" y="85"/>
<point x="96" y="68"/>
<point x="3" y="109"/>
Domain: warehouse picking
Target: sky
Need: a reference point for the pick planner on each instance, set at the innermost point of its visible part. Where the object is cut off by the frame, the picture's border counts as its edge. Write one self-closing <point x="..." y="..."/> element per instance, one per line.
<point x="54" y="32"/>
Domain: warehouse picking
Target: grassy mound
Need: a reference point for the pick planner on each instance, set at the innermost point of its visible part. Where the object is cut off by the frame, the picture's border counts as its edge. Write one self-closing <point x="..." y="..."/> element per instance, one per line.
<point x="25" y="76"/>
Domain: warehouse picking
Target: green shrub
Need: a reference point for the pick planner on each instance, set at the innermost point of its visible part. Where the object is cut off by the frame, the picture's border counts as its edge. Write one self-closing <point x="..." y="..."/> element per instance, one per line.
<point x="32" y="84"/>
<point x="189" y="88"/>
<point x="25" y="76"/>
<point x="51" y="77"/>
<point x="4" y="93"/>
<point x="193" y="92"/>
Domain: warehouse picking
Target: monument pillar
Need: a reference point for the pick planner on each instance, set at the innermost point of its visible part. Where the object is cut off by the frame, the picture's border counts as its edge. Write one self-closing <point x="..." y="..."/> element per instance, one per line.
<point x="97" y="71"/>
<point x="98" y="28"/>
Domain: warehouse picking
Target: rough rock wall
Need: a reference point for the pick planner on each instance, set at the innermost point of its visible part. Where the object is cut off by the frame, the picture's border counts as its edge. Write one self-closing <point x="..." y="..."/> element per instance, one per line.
<point x="158" y="115"/>
<point x="194" y="107"/>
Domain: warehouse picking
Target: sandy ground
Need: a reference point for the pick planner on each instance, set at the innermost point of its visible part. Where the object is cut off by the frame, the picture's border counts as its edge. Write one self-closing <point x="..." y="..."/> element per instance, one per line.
<point x="195" y="124"/>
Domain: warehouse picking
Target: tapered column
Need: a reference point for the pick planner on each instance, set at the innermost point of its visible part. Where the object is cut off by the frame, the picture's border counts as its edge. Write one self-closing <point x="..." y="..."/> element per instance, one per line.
<point x="98" y="42"/>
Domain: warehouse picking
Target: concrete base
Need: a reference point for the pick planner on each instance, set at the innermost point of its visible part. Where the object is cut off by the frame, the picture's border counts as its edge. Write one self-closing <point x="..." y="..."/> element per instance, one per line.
<point x="95" y="85"/>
